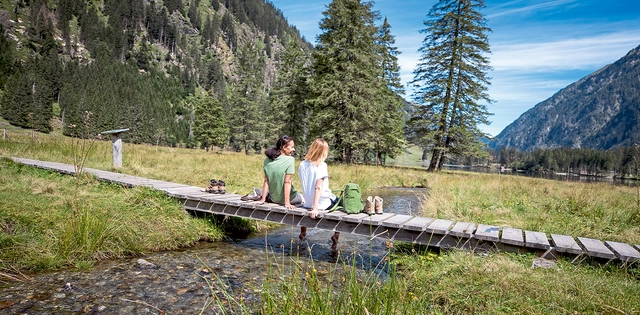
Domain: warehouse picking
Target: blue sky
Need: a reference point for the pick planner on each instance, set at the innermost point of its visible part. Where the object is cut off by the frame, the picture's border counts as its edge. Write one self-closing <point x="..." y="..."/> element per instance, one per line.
<point x="538" y="47"/>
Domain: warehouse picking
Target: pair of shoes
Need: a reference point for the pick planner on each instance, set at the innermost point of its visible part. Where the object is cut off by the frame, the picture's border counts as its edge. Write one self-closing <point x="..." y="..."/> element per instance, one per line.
<point x="373" y="205"/>
<point x="253" y="196"/>
<point x="216" y="187"/>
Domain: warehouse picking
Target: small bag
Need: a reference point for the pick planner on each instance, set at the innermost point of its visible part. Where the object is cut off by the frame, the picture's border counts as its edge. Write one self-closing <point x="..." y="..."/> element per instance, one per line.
<point x="350" y="199"/>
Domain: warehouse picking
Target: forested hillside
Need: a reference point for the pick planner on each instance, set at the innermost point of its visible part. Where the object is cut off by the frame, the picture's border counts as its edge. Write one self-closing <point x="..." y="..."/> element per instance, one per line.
<point x="229" y="74"/>
<point x="161" y="68"/>
<point x="600" y="111"/>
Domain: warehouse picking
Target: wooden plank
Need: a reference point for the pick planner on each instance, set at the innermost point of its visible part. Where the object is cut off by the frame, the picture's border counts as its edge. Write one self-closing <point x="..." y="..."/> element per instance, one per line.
<point x="264" y="206"/>
<point x="298" y="211"/>
<point x="334" y="215"/>
<point x="396" y="221"/>
<point x="596" y="248"/>
<point x="417" y="224"/>
<point x="439" y="226"/>
<point x="566" y="244"/>
<point x="463" y="229"/>
<point x="487" y="232"/>
<point x="512" y="236"/>
<point x="222" y="199"/>
<point x="184" y="192"/>
<point x="239" y="203"/>
<point x="637" y="247"/>
<point x="625" y="252"/>
<point x="377" y="219"/>
<point x="355" y="218"/>
<point x="536" y="240"/>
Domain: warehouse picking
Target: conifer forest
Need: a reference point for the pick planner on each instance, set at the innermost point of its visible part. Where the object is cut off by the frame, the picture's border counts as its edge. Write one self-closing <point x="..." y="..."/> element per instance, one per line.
<point x="234" y="75"/>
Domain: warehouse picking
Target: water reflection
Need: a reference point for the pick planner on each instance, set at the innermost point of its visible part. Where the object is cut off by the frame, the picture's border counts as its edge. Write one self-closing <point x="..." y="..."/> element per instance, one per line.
<point x="368" y="253"/>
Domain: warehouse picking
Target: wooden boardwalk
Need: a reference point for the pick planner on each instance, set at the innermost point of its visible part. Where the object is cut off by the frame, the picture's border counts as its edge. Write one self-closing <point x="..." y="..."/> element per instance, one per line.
<point x="420" y="230"/>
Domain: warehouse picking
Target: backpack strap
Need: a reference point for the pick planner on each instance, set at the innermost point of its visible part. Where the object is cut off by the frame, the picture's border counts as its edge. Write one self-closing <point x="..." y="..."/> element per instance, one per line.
<point x="337" y="205"/>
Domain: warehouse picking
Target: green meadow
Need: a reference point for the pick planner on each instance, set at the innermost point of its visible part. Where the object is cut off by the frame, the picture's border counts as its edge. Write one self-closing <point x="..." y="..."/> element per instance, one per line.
<point x="50" y="221"/>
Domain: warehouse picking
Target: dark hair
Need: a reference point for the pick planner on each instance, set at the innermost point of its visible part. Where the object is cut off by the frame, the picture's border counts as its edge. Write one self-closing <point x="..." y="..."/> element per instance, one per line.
<point x="274" y="153"/>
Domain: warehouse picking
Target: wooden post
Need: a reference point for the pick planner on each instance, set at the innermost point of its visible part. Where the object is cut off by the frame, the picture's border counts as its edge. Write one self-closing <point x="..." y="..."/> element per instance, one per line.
<point x="116" y="145"/>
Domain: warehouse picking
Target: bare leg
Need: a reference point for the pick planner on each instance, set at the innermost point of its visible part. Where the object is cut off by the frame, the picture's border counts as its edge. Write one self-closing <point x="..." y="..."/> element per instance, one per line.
<point x="334" y="240"/>
<point x="303" y="233"/>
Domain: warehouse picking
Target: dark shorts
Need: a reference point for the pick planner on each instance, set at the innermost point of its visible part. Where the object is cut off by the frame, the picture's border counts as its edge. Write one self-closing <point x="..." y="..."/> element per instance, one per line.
<point x="333" y="203"/>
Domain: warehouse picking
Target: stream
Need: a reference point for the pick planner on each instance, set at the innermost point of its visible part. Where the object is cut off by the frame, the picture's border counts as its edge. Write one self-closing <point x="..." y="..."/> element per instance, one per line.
<point x="178" y="282"/>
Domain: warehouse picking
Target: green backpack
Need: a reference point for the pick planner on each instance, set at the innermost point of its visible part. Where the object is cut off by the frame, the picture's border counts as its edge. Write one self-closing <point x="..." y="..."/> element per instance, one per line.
<point x="350" y="199"/>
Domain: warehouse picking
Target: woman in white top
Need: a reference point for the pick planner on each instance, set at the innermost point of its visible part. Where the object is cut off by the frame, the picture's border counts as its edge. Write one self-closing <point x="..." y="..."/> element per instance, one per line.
<point x="314" y="177"/>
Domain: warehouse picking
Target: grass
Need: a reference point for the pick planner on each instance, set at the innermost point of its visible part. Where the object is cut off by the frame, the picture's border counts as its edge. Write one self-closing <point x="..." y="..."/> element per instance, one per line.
<point x="38" y="231"/>
<point x="594" y="210"/>
<point x="455" y="282"/>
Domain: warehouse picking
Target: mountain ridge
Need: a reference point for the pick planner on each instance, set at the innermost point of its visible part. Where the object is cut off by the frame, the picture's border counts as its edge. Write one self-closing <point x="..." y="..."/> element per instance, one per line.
<point x="599" y="111"/>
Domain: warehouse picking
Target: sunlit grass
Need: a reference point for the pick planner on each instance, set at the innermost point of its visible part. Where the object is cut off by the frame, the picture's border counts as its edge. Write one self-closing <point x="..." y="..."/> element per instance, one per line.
<point x="455" y="282"/>
<point x="40" y="229"/>
<point x="595" y="210"/>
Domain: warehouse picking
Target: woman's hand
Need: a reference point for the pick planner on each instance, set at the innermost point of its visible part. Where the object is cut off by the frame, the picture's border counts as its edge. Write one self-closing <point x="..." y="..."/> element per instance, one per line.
<point x="313" y="213"/>
<point x="289" y="206"/>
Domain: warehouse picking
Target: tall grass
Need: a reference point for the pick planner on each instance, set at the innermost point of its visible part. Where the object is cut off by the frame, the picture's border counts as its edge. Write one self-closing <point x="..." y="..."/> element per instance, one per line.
<point x="456" y="282"/>
<point x="40" y="231"/>
<point x="594" y="210"/>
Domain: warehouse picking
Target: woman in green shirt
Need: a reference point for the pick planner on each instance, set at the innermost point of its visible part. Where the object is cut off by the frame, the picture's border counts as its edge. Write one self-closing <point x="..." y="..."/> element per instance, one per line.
<point x="279" y="167"/>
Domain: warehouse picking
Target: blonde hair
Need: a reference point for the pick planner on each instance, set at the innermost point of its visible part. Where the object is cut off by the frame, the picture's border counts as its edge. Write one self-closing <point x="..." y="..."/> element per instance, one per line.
<point x="318" y="152"/>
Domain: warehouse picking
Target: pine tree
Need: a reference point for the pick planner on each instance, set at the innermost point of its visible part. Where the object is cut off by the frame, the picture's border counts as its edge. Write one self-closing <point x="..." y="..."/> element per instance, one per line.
<point x="450" y="79"/>
<point x="348" y="79"/>
<point x="7" y="51"/>
<point x="215" y="78"/>
<point x="209" y="126"/>
<point x="288" y="96"/>
<point x="245" y="112"/>
<point x="390" y="137"/>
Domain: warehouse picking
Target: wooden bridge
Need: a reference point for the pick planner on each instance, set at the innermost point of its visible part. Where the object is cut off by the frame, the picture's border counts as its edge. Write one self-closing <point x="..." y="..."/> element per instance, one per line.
<point x="439" y="233"/>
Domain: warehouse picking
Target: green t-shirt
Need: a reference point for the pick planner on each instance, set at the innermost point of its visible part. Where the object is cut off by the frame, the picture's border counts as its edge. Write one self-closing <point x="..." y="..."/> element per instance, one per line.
<point x="275" y="170"/>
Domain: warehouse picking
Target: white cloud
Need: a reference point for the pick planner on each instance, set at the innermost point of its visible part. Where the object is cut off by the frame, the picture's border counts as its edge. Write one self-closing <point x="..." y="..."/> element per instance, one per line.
<point x="530" y="8"/>
<point x="574" y="53"/>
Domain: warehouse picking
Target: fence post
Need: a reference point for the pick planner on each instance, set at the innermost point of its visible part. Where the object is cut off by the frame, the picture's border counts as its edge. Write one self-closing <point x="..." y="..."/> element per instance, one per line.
<point x="116" y="145"/>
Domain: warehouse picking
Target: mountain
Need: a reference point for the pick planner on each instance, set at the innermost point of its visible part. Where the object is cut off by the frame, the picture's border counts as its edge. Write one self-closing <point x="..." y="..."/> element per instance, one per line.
<point x="600" y="111"/>
<point x="143" y="65"/>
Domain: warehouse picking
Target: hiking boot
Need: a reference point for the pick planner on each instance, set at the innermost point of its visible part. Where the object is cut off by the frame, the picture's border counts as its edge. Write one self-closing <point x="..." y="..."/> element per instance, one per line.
<point x="378" y="204"/>
<point x="213" y="187"/>
<point x="221" y="187"/>
<point x="369" y="206"/>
